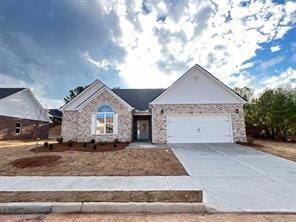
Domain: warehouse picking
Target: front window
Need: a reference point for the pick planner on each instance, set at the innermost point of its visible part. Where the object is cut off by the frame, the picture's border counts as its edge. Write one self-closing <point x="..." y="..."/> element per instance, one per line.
<point x="105" y="120"/>
<point x="18" y="128"/>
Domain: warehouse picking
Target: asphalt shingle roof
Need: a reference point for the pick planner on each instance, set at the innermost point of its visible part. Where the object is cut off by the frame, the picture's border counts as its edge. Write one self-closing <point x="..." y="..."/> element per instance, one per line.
<point x="138" y="98"/>
<point x="4" y="92"/>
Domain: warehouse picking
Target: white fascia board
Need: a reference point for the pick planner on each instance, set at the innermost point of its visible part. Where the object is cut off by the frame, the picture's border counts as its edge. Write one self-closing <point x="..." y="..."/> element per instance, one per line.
<point x="104" y="88"/>
<point x="64" y="107"/>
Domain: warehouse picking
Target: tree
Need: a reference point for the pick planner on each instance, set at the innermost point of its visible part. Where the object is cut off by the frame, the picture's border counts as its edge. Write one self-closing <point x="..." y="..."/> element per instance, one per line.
<point x="74" y="92"/>
<point x="272" y="114"/>
<point x="244" y="92"/>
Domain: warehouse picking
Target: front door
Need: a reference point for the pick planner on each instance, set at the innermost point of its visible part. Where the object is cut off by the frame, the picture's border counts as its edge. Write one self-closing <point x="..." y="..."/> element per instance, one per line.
<point x="142" y="129"/>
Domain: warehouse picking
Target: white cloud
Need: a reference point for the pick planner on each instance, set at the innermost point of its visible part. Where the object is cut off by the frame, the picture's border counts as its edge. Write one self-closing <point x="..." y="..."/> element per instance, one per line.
<point x="221" y="40"/>
<point x="287" y="78"/>
<point x="275" y="48"/>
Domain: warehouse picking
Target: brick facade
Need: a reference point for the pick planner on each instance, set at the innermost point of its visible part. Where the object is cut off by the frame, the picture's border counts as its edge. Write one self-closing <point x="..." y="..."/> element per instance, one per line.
<point x="76" y="125"/>
<point x="159" y="120"/>
<point x="8" y="125"/>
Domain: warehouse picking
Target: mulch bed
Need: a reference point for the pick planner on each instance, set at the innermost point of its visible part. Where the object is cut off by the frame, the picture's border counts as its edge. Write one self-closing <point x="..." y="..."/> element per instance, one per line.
<point x="102" y="196"/>
<point x="36" y="161"/>
<point x="83" y="147"/>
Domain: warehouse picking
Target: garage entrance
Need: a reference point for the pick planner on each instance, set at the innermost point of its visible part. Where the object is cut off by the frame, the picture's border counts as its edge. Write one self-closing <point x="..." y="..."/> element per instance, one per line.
<point x="199" y="129"/>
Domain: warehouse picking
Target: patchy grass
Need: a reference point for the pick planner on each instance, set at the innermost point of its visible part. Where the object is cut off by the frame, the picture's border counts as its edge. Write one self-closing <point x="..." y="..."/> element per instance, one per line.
<point x="102" y="196"/>
<point x="282" y="149"/>
<point x="124" y="162"/>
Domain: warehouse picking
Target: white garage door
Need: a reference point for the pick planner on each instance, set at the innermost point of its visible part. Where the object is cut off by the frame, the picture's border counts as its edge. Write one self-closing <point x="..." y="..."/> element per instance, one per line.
<point x="199" y="129"/>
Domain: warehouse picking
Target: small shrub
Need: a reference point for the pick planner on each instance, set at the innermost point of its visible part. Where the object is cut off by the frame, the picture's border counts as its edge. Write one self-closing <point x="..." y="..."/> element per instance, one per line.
<point x="92" y="141"/>
<point x="114" y="145"/>
<point x="50" y="146"/>
<point x="45" y="144"/>
<point x="84" y="145"/>
<point x="70" y="143"/>
<point x="115" y="141"/>
<point x="250" y="140"/>
<point x="60" y="139"/>
<point x="94" y="146"/>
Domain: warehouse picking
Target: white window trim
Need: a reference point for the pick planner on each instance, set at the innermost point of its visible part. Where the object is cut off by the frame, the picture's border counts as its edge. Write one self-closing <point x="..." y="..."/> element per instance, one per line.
<point x="20" y="128"/>
<point x="105" y="123"/>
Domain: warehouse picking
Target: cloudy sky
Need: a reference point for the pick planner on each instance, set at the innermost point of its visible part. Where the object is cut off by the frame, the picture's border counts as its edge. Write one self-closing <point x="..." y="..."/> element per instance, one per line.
<point x="54" y="46"/>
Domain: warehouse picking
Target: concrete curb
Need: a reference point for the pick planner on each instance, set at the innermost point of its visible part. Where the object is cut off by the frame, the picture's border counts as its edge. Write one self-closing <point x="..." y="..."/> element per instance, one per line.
<point x="99" y="207"/>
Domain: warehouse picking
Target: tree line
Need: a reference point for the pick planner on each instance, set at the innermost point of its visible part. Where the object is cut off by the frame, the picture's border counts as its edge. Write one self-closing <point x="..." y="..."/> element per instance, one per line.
<point x="272" y="114"/>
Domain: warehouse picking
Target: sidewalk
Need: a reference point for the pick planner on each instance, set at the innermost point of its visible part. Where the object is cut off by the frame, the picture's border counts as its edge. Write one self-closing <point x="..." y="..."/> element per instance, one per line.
<point x="96" y="183"/>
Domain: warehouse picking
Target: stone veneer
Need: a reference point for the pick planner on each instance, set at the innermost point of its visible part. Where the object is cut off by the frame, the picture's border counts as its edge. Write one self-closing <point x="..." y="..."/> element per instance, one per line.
<point x="159" y="120"/>
<point x="76" y="125"/>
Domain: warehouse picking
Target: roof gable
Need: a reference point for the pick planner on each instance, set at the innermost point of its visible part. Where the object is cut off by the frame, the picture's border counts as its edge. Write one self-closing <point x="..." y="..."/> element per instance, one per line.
<point x="138" y="98"/>
<point x="23" y="104"/>
<point x="83" y="96"/>
<point x="4" y="92"/>
<point x="103" y="89"/>
<point x="198" y="86"/>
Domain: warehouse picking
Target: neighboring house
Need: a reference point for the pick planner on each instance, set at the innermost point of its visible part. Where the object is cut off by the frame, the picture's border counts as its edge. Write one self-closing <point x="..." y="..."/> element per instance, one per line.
<point x="197" y="108"/>
<point x="21" y="115"/>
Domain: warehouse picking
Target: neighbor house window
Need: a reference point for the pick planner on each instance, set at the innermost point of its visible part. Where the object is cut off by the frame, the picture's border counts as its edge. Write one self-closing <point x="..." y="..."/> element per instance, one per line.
<point x="18" y="128"/>
<point x="105" y="120"/>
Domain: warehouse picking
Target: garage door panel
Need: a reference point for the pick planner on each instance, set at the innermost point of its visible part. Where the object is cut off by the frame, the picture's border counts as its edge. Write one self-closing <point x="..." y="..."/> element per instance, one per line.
<point x="198" y="128"/>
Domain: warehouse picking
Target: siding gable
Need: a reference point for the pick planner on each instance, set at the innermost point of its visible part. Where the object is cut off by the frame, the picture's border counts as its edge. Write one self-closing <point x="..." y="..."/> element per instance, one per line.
<point x="197" y="86"/>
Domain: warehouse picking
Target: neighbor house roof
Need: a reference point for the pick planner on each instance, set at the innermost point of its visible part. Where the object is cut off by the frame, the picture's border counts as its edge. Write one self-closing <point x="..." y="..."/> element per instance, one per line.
<point x="4" y="92"/>
<point x="55" y="113"/>
<point x="138" y="98"/>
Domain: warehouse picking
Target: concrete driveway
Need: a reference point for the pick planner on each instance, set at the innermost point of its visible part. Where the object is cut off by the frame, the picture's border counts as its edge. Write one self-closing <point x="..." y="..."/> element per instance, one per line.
<point x="238" y="178"/>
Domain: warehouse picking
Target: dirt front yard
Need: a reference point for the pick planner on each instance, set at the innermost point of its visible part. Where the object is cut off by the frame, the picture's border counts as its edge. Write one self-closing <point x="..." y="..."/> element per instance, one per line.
<point x="282" y="149"/>
<point x="124" y="162"/>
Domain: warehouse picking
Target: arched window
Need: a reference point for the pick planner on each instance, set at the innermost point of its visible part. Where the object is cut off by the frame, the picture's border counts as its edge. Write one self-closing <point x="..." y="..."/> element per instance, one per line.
<point x="105" y="120"/>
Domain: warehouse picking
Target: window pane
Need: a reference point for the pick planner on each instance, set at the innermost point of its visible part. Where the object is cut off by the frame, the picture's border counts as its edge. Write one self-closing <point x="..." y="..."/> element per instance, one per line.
<point x="100" y="129"/>
<point x="100" y="118"/>
<point x="109" y="117"/>
<point x="18" y="125"/>
<point x="105" y="108"/>
<point x="18" y="130"/>
<point x="109" y="128"/>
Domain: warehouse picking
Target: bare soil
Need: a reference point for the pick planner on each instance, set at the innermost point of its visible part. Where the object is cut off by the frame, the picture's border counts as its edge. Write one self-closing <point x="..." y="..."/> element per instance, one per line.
<point x="82" y="147"/>
<point x="124" y="162"/>
<point x="36" y="161"/>
<point x="285" y="150"/>
<point x="102" y="196"/>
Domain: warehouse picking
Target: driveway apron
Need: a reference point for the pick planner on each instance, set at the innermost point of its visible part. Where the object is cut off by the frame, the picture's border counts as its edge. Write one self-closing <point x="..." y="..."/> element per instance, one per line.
<point x="238" y="178"/>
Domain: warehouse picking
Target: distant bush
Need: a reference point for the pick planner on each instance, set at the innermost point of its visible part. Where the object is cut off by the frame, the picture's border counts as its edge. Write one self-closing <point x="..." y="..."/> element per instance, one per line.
<point x="45" y="144"/>
<point x="84" y="145"/>
<point x="50" y="146"/>
<point x="92" y="141"/>
<point x="60" y="139"/>
<point x="94" y="146"/>
<point x="70" y="143"/>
